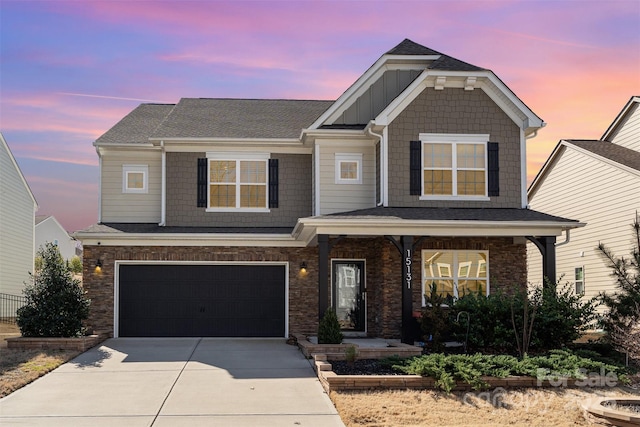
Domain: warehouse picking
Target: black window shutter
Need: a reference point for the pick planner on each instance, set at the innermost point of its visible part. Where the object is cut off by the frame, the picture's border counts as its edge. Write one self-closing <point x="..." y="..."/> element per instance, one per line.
<point x="202" y="183"/>
<point x="415" y="166"/>
<point x="493" y="169"/>
<point x="273" y="183"/>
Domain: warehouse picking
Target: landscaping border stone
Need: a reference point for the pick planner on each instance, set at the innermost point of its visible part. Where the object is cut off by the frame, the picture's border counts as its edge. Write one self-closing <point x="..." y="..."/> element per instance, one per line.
<point x="338" y="351"/>
<point x="72" y="343"/>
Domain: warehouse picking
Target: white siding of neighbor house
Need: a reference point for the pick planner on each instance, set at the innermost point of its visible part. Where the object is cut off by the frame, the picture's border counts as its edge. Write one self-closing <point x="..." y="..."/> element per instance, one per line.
<point x="17" y="209"/>
<point x="346" y="197"/>
<point x="130" y="207"/>
<point x="50" y="230"/>
<point x="628" y="134"/>
<point x="606" y="198"/>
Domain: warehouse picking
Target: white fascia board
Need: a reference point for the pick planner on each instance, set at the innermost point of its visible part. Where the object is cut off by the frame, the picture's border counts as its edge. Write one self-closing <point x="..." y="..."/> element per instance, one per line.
<point x="620" y="118"/>
<point x="253" y="141"/>
<point x="17" y="168"/>
<point x="288" y="146"/>
<point x="388" y="226"/>
<point x="486" y="80"/>
<point x="125" y="145"/>
<point x="191" y="239"/>
<point x="386" y="62"/>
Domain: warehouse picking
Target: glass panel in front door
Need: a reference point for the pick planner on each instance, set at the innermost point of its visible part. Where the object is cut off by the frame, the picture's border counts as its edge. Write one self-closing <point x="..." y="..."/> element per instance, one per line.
<point x="348" y="294"/>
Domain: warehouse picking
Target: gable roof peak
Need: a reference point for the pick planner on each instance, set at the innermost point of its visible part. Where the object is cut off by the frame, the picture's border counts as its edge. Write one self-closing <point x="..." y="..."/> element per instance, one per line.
<point x="409" y="47"/>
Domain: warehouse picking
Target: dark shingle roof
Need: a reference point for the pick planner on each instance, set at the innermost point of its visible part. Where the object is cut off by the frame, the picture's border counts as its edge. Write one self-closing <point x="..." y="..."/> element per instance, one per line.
<point x="240" y="118"/>
<point x="622" y="155"/>
<point x="454" y="214"/>
<point x="138" y="125"/>
<point x="409" y="47"/>
<point x="155" y="228"/>
<point x="445" y="62"/>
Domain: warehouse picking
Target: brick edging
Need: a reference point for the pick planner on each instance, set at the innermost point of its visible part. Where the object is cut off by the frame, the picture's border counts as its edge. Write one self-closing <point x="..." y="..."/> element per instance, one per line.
<point x="332" y="381"/>
<point x="71" y="343"/>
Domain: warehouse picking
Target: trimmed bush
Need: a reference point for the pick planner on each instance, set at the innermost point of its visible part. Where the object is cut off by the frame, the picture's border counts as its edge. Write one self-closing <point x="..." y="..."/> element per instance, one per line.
<point x="55" y="301"/>
<point x="329" y="329"/>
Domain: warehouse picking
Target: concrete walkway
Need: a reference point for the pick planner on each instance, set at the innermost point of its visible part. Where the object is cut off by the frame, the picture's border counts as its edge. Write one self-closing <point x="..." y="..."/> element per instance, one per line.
<point x="176" y="382"/>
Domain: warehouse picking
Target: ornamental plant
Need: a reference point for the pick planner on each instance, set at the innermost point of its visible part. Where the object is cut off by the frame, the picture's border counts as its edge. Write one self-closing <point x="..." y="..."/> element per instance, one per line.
<point x="329" y="329"/>
<point x="56" y="304"/>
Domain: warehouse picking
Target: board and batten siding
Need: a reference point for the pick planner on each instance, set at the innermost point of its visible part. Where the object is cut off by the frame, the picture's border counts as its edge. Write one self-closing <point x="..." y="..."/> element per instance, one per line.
<point x="118" y="206"/>
<point x="602" y="196"/>
<point x="346" y="197"/>
<point x="17" y="209"/>
<point x="628" y="134"/>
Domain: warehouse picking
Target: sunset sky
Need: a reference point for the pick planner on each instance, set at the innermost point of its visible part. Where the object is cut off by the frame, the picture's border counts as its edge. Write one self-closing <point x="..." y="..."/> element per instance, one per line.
<point x="69" y="70"/>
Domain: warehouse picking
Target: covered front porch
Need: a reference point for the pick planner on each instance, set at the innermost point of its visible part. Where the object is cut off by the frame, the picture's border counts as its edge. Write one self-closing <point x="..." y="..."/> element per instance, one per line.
<point x="387" y="248"/>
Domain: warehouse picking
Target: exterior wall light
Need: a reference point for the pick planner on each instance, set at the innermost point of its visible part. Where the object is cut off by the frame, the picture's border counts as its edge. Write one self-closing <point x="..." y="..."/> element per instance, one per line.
<point x="98" y="266"/>
<point x="303" y="267"/>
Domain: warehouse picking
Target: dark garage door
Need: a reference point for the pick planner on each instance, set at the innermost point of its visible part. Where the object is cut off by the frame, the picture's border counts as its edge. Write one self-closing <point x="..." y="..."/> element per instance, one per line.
<point x="201" y="301"/>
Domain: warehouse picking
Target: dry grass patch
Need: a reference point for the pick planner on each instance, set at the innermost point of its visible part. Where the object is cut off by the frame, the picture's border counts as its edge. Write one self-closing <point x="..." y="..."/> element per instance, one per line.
<point x="530" y="407"/>
<point x="20" y="367"/>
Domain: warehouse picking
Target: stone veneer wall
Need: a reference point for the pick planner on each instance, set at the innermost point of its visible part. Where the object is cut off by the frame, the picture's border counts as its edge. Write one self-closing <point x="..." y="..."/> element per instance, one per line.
<point x="507" y="269"/>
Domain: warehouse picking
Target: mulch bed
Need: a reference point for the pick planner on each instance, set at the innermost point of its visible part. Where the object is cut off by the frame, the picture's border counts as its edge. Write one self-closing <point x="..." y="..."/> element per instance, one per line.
<point x="362" y="367"/>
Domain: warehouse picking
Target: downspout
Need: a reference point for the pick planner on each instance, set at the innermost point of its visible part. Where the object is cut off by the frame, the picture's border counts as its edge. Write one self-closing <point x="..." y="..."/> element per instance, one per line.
<point x="566" y="240"/>
<point x="382" y="156"/>
<point x="163" y="189"/>
<point x="99" y="185"/>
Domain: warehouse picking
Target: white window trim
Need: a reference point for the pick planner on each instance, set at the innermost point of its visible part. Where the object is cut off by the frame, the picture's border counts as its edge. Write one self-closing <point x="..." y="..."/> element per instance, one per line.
<point x="350" y="158"/>
<point x="454" y="275"/>
<point x="144" y="170"/>
<point x="237" y="157"/>
<point x="453" y="139"/>
<point x="581" y="267"/>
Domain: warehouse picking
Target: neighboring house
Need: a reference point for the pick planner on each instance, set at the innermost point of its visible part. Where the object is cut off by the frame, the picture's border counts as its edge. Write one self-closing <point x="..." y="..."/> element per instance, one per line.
<point x="48" y="229"/>
<point x="249" y="217"/>
<point x="17" y="210"/>
<point x="597" y="181"/>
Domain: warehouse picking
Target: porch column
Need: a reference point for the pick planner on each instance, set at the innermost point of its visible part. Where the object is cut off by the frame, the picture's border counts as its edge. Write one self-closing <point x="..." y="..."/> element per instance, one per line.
<point x="323" y="274"/>
<point x="547" y="247"/>
<point x="407" y="297"/>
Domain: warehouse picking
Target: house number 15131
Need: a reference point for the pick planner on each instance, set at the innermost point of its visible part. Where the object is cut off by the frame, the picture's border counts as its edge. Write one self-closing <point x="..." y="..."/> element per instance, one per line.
<point x="407" y="264"/>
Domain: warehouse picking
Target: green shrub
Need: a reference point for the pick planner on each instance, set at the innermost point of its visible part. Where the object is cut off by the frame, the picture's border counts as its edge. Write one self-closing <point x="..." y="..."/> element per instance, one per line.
<point x="329" y="328"/>
<point x="447" y="369"/>
<point x="435" y="322"/>
<point x="560" y="317"/>
<point x="55" y="302"/>
<point x="75" y="265"/>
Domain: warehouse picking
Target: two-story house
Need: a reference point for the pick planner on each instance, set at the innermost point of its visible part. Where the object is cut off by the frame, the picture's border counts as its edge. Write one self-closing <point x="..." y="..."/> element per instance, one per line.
<point x="250" y="217"/>
<point x="599" y="182"/>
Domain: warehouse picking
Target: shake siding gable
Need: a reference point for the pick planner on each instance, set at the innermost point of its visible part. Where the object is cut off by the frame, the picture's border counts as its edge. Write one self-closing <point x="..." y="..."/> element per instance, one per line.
<point x="130" y="207"/>
<point x="598" y="194"/>
<point x="454" y="111"/>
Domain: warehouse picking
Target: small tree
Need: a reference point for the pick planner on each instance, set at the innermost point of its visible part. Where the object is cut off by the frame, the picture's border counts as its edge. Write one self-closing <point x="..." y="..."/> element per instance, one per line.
<point x="329" y="329"/>
<point x="622" y="322"/>
<point x="55" y="302"/>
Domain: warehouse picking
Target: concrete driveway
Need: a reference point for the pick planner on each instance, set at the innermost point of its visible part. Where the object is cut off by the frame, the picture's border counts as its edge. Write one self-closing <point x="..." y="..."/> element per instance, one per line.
<point x="176" y="382"/>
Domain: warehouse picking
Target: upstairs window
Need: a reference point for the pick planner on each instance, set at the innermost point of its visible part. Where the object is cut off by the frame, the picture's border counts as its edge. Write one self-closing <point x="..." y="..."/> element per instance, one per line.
<point x="452" y="166"/>
<point x="135" y="178"/>
<point x="455" y="273"/>
<point x="237" y="183"/>
<point x="348" y="168"/>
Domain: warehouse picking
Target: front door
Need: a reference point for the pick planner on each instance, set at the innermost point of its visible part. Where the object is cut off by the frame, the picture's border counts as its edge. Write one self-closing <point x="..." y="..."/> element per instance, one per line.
<point x="348" y="294"/>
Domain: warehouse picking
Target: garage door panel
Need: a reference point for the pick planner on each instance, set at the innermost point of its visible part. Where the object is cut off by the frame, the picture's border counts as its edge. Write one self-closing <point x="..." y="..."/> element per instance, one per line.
<point x="201" y="300"/>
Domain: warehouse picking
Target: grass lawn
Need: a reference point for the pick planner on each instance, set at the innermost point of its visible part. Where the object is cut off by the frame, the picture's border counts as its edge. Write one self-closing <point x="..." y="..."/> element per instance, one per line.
<point x="521" y="407"/>
<point x="20" y="367"/>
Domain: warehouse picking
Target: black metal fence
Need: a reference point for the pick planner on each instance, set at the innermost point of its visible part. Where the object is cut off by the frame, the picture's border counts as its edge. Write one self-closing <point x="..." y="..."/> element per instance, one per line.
<point x="9" y="304"/>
